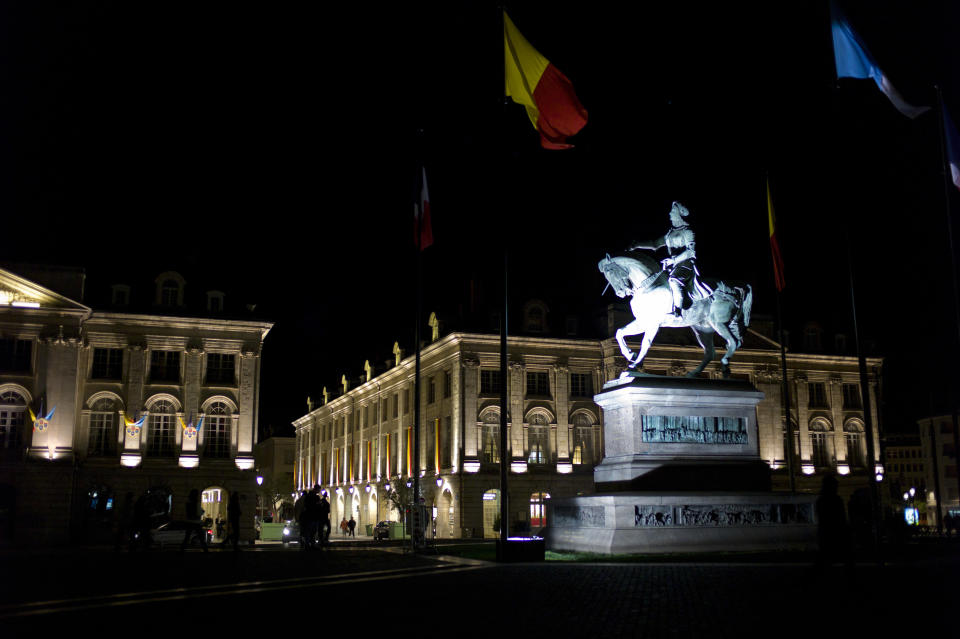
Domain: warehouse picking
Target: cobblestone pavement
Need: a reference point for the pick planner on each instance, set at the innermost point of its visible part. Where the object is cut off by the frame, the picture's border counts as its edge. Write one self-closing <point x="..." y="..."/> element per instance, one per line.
<point x="371" y="589"/>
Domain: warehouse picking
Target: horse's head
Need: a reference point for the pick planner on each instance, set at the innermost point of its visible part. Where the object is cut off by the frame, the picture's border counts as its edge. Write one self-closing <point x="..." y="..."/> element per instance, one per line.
<point x="617" y="276"/>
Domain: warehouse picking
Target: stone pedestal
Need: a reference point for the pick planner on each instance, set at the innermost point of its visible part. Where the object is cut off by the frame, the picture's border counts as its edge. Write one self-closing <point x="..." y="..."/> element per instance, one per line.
<point x="681" y="473"/>
<point x="674" y="433"/>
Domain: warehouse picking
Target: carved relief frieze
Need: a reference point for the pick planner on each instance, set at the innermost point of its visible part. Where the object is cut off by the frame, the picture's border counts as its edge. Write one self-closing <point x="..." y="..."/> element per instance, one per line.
<point x="722" y="515"/>
<point x="579" y="516"/>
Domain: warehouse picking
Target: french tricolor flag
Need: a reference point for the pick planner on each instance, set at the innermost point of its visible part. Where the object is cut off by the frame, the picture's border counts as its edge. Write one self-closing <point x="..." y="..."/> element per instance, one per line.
<point x="854" y="61"/>
<point x="953" y="147"/>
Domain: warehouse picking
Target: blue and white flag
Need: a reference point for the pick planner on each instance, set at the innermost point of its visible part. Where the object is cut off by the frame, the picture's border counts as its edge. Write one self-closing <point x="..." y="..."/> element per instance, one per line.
<point x="854" y="61"/>
<point x="953" y="147"/>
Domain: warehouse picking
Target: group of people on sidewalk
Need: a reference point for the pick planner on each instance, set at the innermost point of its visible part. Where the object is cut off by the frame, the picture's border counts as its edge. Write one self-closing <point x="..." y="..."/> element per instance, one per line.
<point x="312" y="511"/>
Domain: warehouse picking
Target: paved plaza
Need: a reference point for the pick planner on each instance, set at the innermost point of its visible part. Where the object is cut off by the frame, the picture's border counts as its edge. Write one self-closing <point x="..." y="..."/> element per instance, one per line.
<point x="375" y="586"/>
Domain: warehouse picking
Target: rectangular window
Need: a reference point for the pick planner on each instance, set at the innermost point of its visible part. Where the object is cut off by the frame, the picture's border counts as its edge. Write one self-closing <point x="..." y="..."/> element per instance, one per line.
<point x="818" y="441"/>
<point x="538" y="384"/>
<point x="431" y="390"/>
<point x="537" y="444"/>
<point x="851" y="397"/>
<point x="406" y="401"/>
<point x="103" y="435"/>
<point x="220" y="368"/>
<point x="162" y="442"/>
<point x="165" y="366"/>
<point x="491" y="382"/>
<point x="217" y="444"/>
<point x="581" y="385"/>
<point x="491" y="444"/>
<point x="818" y="395"/>
<point x="854" y="452"/>
<point x="396" y="405"/>
<point x="447" y="384"/>
<point x="446" y="442"/>
<point x="107" y="363"/>
<point x="15" y="355"/>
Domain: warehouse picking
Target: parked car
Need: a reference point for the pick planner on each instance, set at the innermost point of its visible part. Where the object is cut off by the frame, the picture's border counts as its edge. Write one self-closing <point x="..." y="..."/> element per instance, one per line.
<point x="171" y="533"/>
<point x="381" y="531"/>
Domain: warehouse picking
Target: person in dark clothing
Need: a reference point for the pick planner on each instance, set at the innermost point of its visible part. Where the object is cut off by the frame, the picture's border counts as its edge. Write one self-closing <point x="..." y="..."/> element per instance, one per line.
<point x="324" y="521"/>
<point x="352" y="525"/>
<point x="233" y="520"/>
<point x="311" y="517"/>
<point x="125" y="522"/>
<point x="141" y="522"/>
<point x="833" y="536"/>
<point x="194" y="525"/>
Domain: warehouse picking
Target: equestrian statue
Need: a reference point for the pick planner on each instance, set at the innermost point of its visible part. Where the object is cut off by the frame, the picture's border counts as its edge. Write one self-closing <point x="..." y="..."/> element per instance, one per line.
<point x="671" y="293"/>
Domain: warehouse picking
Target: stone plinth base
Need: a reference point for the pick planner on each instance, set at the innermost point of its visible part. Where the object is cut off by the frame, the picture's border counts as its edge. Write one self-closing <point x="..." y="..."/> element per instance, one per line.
<point x="676" y="433"/>
<point x="648" y="523"/>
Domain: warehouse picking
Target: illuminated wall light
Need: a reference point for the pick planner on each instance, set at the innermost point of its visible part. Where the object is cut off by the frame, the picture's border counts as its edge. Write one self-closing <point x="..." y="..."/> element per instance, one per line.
<point x="474" y="467"/>
<point x="808" y="469"/>
<point x="130" y="460"/>
<point x="564" y="468"/>
<point x="843" y="469"/>
<point x="26" y="304"/>
<point x="189" y="461"/>
<point x="518" y="467"/>
<point x="245" y="463"/>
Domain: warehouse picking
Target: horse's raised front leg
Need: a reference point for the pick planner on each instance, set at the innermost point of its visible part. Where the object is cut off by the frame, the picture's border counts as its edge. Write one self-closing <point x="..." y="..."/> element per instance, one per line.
<point x="633" y="328"/>
<point x="704" y="337"/>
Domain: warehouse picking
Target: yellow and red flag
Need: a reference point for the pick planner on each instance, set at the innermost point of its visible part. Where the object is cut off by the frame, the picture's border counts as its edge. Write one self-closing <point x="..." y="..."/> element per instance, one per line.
<point x="547" y="94"/>
<point x="774" y="245"/>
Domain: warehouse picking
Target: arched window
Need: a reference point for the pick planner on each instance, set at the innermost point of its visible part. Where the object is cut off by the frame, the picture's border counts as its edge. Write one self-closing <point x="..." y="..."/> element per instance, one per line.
<point x="853" y="436"/>
<point x="490" y="452"/>
<point x="216" y="423"/>
<point x="818" y="445"/>
<point x="584" y="440"/>
<point x="103" y="428"/>
<point x="537" y="439"/>
<point x="12" y="411"/>
<point x="538" y="509"/>
<point x="160" y="437"/>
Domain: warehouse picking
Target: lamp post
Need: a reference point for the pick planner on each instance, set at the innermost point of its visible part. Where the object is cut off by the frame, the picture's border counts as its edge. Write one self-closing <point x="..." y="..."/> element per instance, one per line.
<point x="260" y="495"/>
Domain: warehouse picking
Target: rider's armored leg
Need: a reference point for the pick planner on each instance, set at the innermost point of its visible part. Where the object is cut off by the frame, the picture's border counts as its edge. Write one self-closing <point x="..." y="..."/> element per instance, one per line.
<point x="676" y="287"/>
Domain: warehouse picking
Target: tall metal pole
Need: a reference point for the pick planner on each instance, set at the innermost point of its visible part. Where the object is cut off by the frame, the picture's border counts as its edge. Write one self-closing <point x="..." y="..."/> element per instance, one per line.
<point x="504" y="459"/>
<point x="786" y="402"/>
<point x="865" y="400"/>
<point x="415" y="509"/>
<point x="952" y="393"/>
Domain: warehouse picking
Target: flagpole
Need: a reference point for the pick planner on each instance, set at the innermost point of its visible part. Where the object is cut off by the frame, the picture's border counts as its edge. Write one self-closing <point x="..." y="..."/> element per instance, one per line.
<point x="414" y="537"/>
<point x="952" y="393"/>
<point x="504" y="395"/>
<point x="778" y="281"/>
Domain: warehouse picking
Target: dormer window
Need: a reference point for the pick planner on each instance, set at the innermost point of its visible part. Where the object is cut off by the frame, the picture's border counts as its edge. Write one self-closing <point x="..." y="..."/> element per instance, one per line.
<point x="120" y="295"/>
<point x="535" y="317"/>
<point x="169" y="289"/>
<point x="214" y="301"/>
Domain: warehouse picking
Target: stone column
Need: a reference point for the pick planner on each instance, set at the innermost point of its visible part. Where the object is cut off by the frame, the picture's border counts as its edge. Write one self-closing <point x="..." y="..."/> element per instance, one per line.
<point x="471" y="372"/>
<point x="516" y="393"/>
<point x="457" y="423"/>
<point x="247" y="420"/>
<point x="837" y="446"/>
<point x="803" y="418"/>
<point x="560" y="437"/>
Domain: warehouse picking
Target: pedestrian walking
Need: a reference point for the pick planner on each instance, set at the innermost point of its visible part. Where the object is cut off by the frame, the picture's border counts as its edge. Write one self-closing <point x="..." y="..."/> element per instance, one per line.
<point x="833" y="536"/>
<point x="233" y="520"/>
<point x="194" y="520"/>
<point x="344" y="526"/>
<point x="352" y="525"/>
<point x="324" y="521"/>
<point x="311" y="517"/>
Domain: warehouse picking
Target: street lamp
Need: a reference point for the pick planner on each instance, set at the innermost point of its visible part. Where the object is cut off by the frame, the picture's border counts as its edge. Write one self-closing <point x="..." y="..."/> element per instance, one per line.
<point x="260" y="495"/>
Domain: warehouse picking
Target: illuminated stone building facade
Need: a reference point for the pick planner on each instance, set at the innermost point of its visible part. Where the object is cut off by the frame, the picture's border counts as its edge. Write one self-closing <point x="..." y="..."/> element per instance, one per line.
<point x="938" y="447"/>
<point x="358" y="439"/>
<point x="125" y="391"/>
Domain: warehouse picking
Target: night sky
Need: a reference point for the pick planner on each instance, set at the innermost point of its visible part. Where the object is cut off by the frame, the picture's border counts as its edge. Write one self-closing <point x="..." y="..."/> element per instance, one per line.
<point x="273" y="149"/>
